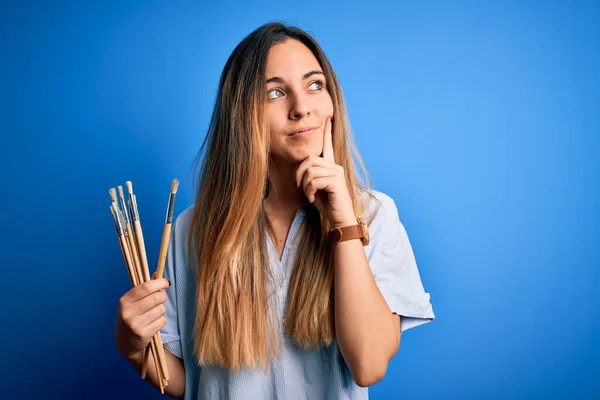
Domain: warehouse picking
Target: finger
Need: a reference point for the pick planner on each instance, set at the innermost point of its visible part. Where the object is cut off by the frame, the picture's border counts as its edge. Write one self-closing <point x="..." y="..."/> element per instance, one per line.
<point x="144" y="289"/>
<point x="307" y="163"/>
<point x="328" y="142"/>
<point x="139" y="322"/>
<point x="133" y="311"/>
<point x="314" y="173"/>
<point x="317" y="172"/>
<point x="152" y="315"/>
<point x="149" y="302"/>
<point x="155" y="274"/>
<point x="149" y="331"/>
<point x="323" y="183"/>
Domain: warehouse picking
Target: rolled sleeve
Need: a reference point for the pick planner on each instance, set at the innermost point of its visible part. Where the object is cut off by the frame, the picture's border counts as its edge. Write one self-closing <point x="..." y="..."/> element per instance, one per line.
<point x="394" y="267"/>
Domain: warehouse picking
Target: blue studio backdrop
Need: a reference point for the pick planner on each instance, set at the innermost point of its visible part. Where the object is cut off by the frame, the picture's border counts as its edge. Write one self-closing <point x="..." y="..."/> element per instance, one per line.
<point x="481" y="119"/>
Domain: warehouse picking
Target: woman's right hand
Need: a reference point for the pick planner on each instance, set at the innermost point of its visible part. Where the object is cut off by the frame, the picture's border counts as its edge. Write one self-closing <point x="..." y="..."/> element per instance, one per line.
<point x="141" y="314"/>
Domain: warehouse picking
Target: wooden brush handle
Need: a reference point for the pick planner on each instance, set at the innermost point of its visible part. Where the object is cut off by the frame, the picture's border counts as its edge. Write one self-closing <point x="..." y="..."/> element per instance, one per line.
<point x="159" y="356"/>
<point x="142" y="249"/>
<point x="164" y="248"/>
<point x="136" y="256"/>
<point x="128" y="261"/>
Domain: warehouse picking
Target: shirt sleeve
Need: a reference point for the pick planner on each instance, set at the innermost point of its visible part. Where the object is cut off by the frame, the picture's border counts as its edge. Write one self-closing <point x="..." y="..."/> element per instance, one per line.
<point x="394" y="267"/>
<point x="170" y="332"/>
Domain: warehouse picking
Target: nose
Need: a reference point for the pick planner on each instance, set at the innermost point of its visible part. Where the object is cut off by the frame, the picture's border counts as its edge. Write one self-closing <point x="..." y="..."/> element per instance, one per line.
<point x="300" y="106"/>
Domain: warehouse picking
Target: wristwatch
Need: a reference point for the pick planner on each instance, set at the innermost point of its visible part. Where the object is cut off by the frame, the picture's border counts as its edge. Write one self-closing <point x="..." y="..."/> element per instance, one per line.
<point x="359" y="231"/>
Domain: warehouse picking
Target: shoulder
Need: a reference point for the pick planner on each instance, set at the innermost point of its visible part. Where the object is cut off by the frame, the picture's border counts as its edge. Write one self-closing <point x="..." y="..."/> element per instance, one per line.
<point x="183" y="222"/>
<point x="179" y="245"/>
<point x="378" y="206"/>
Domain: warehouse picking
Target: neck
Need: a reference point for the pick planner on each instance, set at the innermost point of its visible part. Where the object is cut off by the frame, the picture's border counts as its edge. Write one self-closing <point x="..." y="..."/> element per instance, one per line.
<point x="284" y="197"/>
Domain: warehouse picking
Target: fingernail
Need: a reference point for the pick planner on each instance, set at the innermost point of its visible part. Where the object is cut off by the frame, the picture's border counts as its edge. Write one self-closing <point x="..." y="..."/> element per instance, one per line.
<point x="169" y="282"/>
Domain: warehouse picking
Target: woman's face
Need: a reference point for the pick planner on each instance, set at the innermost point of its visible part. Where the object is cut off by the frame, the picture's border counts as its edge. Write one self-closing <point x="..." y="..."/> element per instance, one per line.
<point x="298" y="102"/>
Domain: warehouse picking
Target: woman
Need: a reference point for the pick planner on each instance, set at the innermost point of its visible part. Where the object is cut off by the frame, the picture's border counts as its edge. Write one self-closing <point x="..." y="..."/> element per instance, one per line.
<point x="268" y="299"/>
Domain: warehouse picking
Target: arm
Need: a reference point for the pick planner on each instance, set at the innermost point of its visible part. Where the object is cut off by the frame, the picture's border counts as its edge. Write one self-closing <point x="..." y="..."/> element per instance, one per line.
<point x="368" y="333"/>
<point x="176" y="385"/>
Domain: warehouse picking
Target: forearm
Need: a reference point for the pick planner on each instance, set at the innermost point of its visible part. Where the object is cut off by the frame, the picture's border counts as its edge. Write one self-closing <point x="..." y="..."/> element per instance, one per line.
<point x="365" y="326"/>
<point x="176" y="384"/>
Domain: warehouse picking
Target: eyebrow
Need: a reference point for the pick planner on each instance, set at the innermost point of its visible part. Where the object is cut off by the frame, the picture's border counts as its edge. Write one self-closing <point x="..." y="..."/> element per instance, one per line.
<point x="306" y="76"/>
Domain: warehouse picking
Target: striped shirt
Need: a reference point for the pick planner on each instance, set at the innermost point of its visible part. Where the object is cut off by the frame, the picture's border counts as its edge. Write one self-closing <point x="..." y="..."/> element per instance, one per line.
<point x="295" y="374"/>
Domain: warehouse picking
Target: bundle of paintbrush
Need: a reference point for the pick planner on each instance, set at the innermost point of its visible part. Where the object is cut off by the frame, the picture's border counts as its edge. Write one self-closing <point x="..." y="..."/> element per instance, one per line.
<point x="129" y="231"/>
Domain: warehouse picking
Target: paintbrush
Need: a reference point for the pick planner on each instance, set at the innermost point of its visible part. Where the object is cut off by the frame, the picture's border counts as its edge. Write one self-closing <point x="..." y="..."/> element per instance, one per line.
<point x="164" y="245"/>
<point x="123" y="243"/>
<point x="130" y="235"/>
<point x="158" y="352"/>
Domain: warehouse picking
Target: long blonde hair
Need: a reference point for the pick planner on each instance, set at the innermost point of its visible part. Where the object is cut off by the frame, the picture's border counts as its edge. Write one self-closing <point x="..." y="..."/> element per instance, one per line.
<point x="236" y="324"/>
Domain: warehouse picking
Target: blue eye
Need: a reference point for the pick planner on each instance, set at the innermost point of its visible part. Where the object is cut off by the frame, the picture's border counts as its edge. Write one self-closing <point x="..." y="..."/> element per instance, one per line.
<point x="318" y="87"/>
<point x="271" y="93"/>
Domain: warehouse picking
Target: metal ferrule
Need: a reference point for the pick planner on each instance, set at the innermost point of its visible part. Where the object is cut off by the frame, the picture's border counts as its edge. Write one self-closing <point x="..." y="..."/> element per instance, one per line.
<point x="170" y="209"/>
<point x="118" y="223"/>
<point x="121" y="223"/>
<point x="124" y="208"/>
<point x="130" y="210"/>
<point x="134" y="210"/>
<point x="115" y="221"/>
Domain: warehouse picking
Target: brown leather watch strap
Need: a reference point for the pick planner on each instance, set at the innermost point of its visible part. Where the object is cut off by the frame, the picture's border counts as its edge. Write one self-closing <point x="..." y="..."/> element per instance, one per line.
<point x="359" y="231"/>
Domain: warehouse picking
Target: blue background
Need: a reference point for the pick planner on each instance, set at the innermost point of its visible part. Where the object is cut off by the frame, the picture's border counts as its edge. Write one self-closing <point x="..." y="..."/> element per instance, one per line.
<point x="481" y="120"/>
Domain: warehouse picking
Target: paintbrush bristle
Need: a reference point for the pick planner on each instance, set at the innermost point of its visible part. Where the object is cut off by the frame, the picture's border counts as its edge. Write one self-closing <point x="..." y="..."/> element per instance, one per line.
<point x="174" y="186"/>
<point x="113" y="194"/>
<point x="129" y="187"/>
<point x="120" y="191"/>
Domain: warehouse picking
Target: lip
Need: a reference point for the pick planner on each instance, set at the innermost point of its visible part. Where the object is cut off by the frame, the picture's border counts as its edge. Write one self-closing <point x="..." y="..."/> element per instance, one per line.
<point x="303" y="132"/>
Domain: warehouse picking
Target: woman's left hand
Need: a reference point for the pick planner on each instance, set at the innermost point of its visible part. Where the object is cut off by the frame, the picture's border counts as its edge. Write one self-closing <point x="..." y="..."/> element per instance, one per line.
<point x="324" y="184"/>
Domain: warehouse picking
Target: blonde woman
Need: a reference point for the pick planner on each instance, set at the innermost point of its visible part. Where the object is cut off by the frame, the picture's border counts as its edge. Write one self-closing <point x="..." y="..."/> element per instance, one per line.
<point x="291" y="278"/>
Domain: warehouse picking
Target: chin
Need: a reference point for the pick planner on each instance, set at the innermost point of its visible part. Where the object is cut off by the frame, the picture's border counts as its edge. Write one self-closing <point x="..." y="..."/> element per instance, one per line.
<point x="297" y="154"/>
<point x="300" y="156"/>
